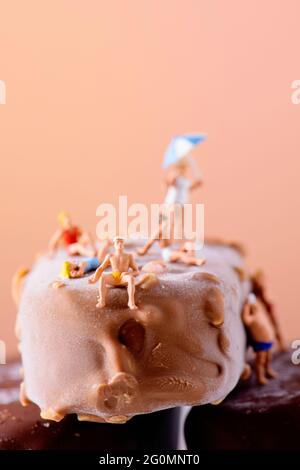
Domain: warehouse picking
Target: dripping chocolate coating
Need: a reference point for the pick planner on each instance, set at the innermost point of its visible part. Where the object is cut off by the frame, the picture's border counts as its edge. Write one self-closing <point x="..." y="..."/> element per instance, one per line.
<point x="22" y="428"/>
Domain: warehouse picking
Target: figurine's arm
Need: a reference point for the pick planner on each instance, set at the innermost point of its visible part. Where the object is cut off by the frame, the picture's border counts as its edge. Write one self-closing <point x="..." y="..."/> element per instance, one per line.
<point x="147" y="246"/>
<point x="133" y="266"/>
<point x="183" y="247"/>
<point x="80" y="233"/>
<point x="54" y="241"/>
<point x="197" y="180"/>
<point x="94" y="278"/>
<point x="170" y="179"/>
<point x="151" y="241"/>
<point x="247" y="314"/>
<point x="196" y="184"/>
<point x="86" y="238"/>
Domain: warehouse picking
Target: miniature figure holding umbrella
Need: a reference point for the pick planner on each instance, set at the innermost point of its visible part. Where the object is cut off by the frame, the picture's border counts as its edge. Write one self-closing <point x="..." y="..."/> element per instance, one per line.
<point x="177" y="160"/>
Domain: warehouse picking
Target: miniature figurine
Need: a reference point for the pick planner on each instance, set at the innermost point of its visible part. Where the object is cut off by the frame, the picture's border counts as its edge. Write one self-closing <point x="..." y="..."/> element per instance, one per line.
<point x="186" y="254"/>
<point x="177" y="160"/>
<point x="73" y="270"/>
<point x="259" y="289"/>
<point x="262" y="337"/>
<point x="120" y="263"/>
<point x="75" y="241"/>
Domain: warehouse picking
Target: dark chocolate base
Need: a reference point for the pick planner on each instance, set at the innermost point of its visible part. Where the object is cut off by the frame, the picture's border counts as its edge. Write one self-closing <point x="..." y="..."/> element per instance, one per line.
<point x="23" y="429"/>
<point x="252" y="417"/>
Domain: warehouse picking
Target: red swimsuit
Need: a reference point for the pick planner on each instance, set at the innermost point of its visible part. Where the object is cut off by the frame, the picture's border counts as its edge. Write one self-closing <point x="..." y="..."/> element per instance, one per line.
<point x="70" y="236"/>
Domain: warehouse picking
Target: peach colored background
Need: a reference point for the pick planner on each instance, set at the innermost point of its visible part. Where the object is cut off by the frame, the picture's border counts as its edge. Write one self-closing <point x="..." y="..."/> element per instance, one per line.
<point x="95" y="90"/>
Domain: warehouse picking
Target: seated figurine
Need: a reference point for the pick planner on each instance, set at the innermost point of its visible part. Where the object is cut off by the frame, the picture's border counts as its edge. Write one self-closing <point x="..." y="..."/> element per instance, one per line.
<point x="69" y="235"/>
<point x="121" y="263"/>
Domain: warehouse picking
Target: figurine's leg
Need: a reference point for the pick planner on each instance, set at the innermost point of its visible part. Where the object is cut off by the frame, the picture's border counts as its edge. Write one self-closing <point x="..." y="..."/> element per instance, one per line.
<point x="156" y="266"/>
<point x="270" y="372"/>
<point x="88" y="251"/>
<point x="128" y="280"/>
<point x="187" y="259"/>
<point x="72" y="249"/>
<point x="192" y="260"/>
<point x="260" y="367"/>
<point x="175" y="256"/>
<point x="142" y="251"/>
<point x="245" y="375"/>
<point x="102" y="291"/>
<point x="82" y="250"/>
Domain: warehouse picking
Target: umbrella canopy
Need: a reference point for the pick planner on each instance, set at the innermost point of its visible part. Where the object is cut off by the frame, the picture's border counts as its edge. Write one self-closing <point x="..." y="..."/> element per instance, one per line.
<point x="180" y="146"/>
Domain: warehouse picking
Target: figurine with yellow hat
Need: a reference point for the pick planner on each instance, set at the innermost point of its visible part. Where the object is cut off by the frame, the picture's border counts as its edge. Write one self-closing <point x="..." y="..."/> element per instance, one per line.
<point x="78" y="268"/>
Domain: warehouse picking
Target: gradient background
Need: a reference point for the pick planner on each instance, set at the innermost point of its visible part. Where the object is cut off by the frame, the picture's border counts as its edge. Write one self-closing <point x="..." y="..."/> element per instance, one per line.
<point x="95" y="90"/>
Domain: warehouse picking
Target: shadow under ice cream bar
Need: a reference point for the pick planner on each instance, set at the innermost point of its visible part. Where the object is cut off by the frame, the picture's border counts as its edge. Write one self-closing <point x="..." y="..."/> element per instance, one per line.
<point x="252" y="417"/>
<point x="22" y="428"/>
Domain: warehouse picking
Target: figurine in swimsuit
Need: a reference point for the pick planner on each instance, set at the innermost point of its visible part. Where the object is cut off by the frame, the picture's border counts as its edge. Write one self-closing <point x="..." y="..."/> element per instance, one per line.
<point x="69" y="235"/>
<point x="259" y="289"/>
<point x="182" y="174"/>
<point x="262" y="337"/>
<point x="177" y="161"/>
<point x="178" y="184"/>
<point x="121" y="264"/>
<point x="71" y="269"/>
<point x="186" y="254"/>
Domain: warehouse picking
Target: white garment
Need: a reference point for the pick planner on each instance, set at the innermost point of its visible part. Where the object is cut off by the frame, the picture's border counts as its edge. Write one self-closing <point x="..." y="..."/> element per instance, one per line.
<point x="178" y="193"/>
<point x="166" y="254"/>
<point x="252" y="298"/>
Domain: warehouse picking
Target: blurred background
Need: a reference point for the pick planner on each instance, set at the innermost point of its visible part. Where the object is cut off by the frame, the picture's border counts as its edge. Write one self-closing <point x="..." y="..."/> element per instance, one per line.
<point x="95" y="91"/>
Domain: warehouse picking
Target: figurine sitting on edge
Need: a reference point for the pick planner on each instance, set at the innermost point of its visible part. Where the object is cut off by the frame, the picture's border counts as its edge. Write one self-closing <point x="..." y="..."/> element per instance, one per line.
<point x="120" y="263"/>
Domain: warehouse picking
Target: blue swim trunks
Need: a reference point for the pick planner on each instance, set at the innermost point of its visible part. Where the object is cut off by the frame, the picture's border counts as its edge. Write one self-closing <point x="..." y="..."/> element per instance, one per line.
<point x="259" y="346"/>
<point x="91" y="264"/>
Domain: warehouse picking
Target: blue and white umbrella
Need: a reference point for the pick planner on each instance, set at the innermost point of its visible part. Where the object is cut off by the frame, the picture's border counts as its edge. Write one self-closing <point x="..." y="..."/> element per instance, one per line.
<point x="180" y="146"/>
